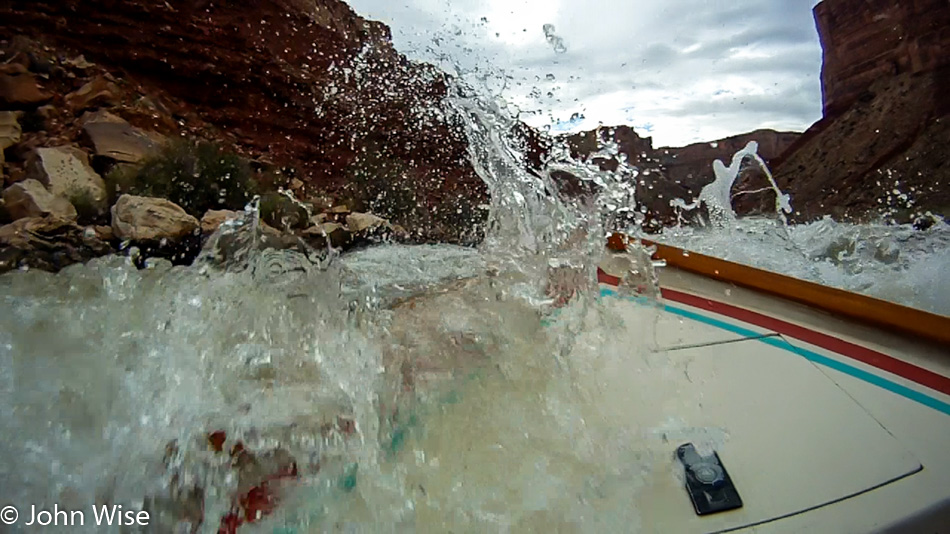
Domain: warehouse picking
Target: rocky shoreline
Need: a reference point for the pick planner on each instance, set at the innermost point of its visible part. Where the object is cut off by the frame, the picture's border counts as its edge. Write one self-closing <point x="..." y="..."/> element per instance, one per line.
<point x="302" y="97"/>
<point x="93" y="164"/>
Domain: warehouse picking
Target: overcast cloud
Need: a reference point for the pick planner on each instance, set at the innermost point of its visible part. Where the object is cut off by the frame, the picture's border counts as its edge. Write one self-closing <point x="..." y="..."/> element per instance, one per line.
<point x="680" y="71"/>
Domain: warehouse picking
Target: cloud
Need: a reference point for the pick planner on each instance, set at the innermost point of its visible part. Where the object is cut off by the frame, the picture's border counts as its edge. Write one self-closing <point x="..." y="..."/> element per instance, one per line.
<point x="693" y="69"/>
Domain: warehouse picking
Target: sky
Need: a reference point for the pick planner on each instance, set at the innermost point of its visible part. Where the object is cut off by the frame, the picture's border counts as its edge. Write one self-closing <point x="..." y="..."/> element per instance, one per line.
<point x="680" y="71"/>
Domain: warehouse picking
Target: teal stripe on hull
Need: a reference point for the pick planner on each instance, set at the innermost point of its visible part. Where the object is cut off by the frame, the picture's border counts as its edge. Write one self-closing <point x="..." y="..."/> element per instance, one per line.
<point x="809" y="355"/>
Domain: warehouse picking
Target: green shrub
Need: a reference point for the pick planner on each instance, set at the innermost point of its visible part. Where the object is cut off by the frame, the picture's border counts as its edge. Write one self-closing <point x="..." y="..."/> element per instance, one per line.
<point x="417" y="199"/>
<point x="196" y="176"/>
<point x="371" y="177"/>
<point x="88" y="208"/>
<point x="32" y="121"/>
<point x="385" y="187"/>
<point x="282" y="212"/>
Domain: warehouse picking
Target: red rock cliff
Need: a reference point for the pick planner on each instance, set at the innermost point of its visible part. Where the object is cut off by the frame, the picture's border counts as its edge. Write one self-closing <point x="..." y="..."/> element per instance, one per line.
<point x="305" y="84"/>
<point x="882" y="147"/>
<point x="866" y="40"/>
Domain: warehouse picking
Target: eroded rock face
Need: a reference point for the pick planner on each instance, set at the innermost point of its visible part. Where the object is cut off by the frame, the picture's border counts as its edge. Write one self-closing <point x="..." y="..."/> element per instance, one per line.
<point x="692" y="164"/>
<point x="886" y="156"/>
<point x="150" y="219"/>
<point x="863" y="42"/>
<point x="30" y="198"/>
<point x="302" y="84"/>
<point x="677" y="172"/>
<point x="66" y="172"/>
<point x="881" y="148"/>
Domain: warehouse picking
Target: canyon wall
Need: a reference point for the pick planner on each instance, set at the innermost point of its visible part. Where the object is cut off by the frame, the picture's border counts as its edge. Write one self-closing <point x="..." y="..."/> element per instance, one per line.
<point x="305" y="86"/>
<point x="881" y="149"/>
<point x="669" y="173"/>
<point x="866" y="40"/>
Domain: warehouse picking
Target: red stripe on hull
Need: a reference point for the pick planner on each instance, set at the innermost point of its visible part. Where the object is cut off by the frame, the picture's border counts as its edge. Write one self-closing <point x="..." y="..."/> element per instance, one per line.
<point x="865" y="355"/>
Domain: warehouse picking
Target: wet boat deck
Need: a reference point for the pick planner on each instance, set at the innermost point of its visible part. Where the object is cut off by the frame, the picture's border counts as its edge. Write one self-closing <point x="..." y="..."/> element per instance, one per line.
<point x="832" y="425"/>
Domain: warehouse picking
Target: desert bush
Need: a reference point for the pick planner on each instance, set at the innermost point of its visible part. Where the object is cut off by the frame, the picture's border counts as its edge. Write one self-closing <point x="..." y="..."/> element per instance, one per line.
<point x="384" y="186"/>
<point x="32" y="121"/>
<point x="280" y="211"/>
<point x="462" y="218"/>
<point x="197" y="176"/>
<point x="88" y="208"/>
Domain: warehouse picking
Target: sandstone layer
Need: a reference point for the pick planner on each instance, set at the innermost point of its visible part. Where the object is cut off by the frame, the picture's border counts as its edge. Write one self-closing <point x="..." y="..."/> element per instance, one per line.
<point x="881" y="148"/>
<point x="306" y="86"/>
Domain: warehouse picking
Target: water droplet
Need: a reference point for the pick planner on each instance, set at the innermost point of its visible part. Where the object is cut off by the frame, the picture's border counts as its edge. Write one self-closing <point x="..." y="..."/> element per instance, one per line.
<point x="556" y="42"/>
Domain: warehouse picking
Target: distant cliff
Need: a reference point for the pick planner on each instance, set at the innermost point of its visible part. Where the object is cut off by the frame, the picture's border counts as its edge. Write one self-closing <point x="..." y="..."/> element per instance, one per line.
<point x="669" y="173"/>
<point x="693" y="163"/>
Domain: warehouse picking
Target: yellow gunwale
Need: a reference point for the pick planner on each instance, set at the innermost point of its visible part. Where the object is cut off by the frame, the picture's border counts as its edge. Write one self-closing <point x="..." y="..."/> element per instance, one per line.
<point x="869" y="310"/>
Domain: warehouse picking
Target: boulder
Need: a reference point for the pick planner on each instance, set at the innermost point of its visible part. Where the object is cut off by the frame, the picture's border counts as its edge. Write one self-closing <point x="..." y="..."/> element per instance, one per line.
<point x="104" y="233"/>
<point x="372" y="227"/>
<point x="212" y="219"/>
<point x="30" y="198"/>
<point x="13" y="69"/>
<point x="66" y="172"/>
<point x="21" y="91"/>
<point x="49" y="243"/>
<point x="318" y="234"/>
<point x="79" y="63"/>
<point x="283" y="212"/>
<point x="359" y="222"/>
<point x="98" y="92"/>
<point x="339" y="210"/>
<point x="9" y="129"/>
<point x="150" y="219"/>
<point x="325" y="228"/>
<point x="9" y="133"/>
<point x="116" y="139"/>
<point x="21" y="233"/>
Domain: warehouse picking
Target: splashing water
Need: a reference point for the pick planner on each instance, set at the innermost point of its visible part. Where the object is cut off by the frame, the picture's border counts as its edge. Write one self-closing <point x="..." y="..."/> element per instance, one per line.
<point x="898" y="263"/>
<point x="717" y="196"/>
<point x="300" y="389"/>
<point x="556" y="42"/>
<point x="425" y="388"/>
